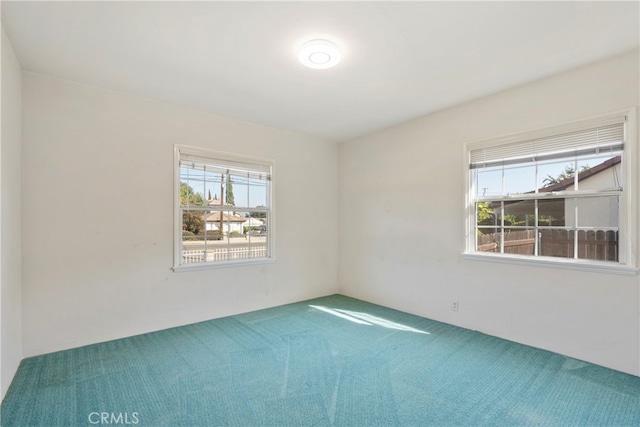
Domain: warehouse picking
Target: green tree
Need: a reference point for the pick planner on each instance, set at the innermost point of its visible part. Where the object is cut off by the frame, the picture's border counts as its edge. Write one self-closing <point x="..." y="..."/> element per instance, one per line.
<point x="209" y="195"/>
<point x="568" y="172"/>
<point x="485" y="213"/>
<point x="259" y="215"/>
<point x="230" y="199"/>
<point x="190" y="197"/>
<point x="192" y="221"/>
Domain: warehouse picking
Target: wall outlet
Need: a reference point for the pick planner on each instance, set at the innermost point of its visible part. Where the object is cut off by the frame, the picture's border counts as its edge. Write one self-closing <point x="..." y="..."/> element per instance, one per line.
<point x="454" y="306"/>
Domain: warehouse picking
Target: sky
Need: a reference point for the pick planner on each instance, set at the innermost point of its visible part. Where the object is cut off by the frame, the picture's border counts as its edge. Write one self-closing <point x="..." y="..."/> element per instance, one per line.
<point x="523" y="178"/>
<point x="247" y="192"/>
<point x="518" y="179"/>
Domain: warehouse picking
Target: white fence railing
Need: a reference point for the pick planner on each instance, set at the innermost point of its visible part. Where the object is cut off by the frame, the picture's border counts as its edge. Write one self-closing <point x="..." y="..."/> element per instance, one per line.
<point x="224" y="254"/>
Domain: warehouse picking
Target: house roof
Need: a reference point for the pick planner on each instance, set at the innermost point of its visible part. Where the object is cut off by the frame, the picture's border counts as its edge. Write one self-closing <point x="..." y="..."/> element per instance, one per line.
<point x="568" y="182"/>
<point x="215" y="217"/>
<point x="524" y="207"/>
<point x="214" y="202"/>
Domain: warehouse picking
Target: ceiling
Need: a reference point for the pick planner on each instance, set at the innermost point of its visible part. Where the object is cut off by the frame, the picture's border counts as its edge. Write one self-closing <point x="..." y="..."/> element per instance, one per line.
<point x="401" y="60"/>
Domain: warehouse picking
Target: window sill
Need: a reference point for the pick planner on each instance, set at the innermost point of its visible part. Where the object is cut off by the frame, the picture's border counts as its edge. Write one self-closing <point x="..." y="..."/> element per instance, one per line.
<point x="183" y="268"/>
<point x="569" y="264"/>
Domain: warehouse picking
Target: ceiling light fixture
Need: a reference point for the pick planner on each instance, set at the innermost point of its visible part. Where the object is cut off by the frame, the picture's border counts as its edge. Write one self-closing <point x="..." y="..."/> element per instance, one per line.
<point x="319" y="54"/>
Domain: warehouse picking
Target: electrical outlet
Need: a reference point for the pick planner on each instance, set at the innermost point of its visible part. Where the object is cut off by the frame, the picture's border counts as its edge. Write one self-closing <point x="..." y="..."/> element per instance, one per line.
<point x="454" y="306"/>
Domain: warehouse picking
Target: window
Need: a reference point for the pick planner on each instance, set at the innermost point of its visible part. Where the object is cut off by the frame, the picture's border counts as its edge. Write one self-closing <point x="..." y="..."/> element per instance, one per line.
<point x="552" y="195"/>
<point x="223" y="212"/>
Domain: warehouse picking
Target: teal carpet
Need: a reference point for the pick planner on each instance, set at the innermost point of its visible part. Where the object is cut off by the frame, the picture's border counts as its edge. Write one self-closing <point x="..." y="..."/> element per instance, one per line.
<point x="329" y="361"/>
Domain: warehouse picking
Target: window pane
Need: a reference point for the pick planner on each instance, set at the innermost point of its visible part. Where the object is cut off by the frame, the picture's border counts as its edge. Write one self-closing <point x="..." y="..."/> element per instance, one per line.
<point x="556" y="174"/>
<point x="598" y="212"/>
<point x="193" y="236"/>
<point x="239" y="191"/>
<point x="520" y="180"/>
<point x="213" y="224"/>
<point x="519" y="241"/>
<point x="600" y="245"/>
<point x="258" y="193"/>
<point x="255" y="223"/>
<point x="600" y="172"/>
<point x="519" y="213"/>
<point x="211" y="190"/>
<point x="233" y="243"/>
<point x="488" y="240"/>
<point x="246" y="239"/>
<point x="489" y="181"/>
<point x="551" y="212"/>
<point x="231" y="224"/>
<point x="191" y="187"/>
<point x="556" y="242"/>
<point x="244" y="226"/>
<point x="486" y="213"/>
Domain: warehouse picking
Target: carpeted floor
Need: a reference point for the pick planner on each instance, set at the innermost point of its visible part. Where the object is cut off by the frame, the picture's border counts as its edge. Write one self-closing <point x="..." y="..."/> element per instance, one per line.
<point x="329" y="361"/>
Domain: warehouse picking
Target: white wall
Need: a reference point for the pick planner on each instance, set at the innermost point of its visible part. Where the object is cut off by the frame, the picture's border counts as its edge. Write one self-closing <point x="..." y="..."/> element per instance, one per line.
<point x="10" y="224"/>
<point x="98" y="217"/>
<point x="402" y="195"/>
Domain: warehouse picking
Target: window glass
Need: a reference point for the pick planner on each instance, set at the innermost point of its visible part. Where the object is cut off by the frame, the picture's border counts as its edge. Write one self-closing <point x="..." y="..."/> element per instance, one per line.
<point x="600" y="172"/>
<point x="224" y="206"/>
<point x="551" y="213"/>
<point x="519" y="180"/>
<point x="257" y="193"/>
<point x="489" y="181"/>
<point x="487" y="213"/>
<point x="488" y="240"/>
<point x="598" y="212"/>
<point x="598" y="245"/>
<point x="534" y="208"/>
<point x="519" y="241"/>
<point x="519" y="213"/>
<point x="556" y="242"/>
<point x="554" y="173"/>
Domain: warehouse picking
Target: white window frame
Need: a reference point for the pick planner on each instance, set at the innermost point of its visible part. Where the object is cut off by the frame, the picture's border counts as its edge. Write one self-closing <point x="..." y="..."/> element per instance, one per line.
<point x="628" y="212"/>
<point x="222" y="157"/>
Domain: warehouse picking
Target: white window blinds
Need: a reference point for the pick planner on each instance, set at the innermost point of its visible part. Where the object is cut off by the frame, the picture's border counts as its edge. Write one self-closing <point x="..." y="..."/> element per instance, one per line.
<point x="595" y="137"/>
<point x="260" y="171"/>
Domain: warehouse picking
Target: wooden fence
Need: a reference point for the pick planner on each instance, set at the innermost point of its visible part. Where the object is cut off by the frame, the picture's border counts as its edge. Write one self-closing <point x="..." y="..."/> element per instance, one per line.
<point x="601" y="245"/>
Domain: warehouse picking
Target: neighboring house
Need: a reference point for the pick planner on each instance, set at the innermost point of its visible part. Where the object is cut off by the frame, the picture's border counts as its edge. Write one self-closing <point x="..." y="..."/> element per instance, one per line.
<point x="605" y="175"/>
<point x="252" y="223"/>
<point x="597" y="211"/>
<point x="231" y="222"/>
<point x="218" y="203"/>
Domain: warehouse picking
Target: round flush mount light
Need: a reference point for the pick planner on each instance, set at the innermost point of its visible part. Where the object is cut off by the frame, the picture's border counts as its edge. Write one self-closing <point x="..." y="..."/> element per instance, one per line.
<point x="319" y="54"/>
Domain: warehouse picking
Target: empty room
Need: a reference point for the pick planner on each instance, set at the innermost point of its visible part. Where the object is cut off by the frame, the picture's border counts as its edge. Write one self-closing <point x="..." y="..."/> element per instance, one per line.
<point x="320" y="213"/>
